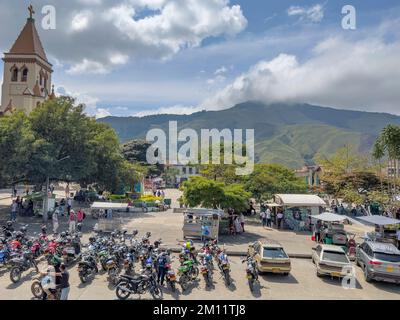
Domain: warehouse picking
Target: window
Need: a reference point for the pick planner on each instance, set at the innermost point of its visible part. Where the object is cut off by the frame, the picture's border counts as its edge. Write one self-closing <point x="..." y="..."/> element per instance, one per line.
<point x="274" y="253"/>
<point x="387" y="257"/>
<point x="190" y="170"/>
<point x="24" y="77"/>
<point x="184" y="170"/>
<point x="14" y="76"/>
<point x="41" y="80"/>
<point x="335" y="256"/>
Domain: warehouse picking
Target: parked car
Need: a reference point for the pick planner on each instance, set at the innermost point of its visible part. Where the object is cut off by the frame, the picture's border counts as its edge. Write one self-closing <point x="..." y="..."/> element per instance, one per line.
<point x="379" y="261"/>
<point x="270" y="257"/>
<point x="331" y="260"/>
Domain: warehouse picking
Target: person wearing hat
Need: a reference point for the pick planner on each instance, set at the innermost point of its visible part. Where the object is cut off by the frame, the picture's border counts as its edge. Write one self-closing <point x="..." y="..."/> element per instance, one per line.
<point x="72" y="221"/>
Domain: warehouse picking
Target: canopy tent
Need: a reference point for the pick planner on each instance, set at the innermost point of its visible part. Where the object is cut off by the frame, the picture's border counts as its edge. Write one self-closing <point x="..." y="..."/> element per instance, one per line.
<point x="273" y="205"/>
<point x="329" y="217"/>
<point x="299" y="200"/>
<point x="109" y="205"/>
<point x="380" y="220"/>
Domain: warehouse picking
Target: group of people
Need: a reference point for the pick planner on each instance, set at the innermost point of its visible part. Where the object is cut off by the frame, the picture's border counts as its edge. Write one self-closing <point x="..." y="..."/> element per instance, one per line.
<point x="75" y="220"/>
<point x="236" y="222"/>
<point x="159" y="193"/>
<point x="268" y="218"/>
<point x="18" y="207"/>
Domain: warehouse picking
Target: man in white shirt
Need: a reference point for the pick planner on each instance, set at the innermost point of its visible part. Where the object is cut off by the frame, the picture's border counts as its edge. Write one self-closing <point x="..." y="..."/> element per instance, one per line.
<point x="268" y="217"/>
<point x="69" y="205"/>
<point x="279" y="216"/>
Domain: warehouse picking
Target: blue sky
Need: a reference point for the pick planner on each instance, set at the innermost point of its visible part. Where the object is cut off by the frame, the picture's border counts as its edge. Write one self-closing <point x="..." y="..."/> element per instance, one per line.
<point x="212" y="54"/>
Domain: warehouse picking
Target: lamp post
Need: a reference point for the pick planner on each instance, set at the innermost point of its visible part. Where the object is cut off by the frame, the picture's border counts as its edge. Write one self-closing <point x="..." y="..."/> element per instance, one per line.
<point x="46" y="197"/>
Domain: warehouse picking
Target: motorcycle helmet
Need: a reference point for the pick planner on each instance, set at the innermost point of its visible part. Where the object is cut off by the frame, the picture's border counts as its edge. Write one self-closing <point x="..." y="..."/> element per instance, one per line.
<point x="23" y="229"/>
<point x="63" y="234"/>
<point x="44" y="229"/>
<point x="9" y="224"/>
<point x="92" y="239"/>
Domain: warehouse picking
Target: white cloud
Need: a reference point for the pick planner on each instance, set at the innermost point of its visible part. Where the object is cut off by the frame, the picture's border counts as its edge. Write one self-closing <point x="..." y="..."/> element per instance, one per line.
<point x="80" y="21"/>
<point x="314" y="14"/>
<point x="177" y="109"/>
<point x="140" y="29"/>
<point x="217" y="80"/>
<point x="89" y="101"/>
<point x="342" y="73"/>
<point x="89" y="67"/>
<point x="221" y="70"/>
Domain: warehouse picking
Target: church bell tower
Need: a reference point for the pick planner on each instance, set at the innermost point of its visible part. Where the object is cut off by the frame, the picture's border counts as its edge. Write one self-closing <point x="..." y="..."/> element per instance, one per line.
<point x="27" y="71"/>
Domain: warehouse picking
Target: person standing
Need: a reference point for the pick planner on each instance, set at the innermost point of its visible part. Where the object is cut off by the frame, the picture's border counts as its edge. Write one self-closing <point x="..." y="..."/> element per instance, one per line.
<point x="241" y="219"/>
<point x="62" y="207"/>
<point x="238" y="226"/>
<point x="69" y="205"/>
<point x="72" y="222"/>
<point x="55" y="221"/>
<point x="161" y="268"/>
<point x="263" y="218"/>
<point x="398" y="238"/>
<point x="67" y="191"/>
<point x="14" y="209"/>
<point x="64" y="282"/>
<point x="279" y="217"/>
<point x="268" y="217"/>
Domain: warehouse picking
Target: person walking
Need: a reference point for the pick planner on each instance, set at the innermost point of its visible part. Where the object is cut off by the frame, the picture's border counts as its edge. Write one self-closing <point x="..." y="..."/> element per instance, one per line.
<point x="14" y="209"/>
<point x="241" y="219"/>
<point x="64" y="282"/>
<point x="62" y="207"/>
<point x="268" y="217"/>
<point x="72" y="222"/>
<point x="279" y="217"/>
<point x="67" y="195"/>
<point x="54" y="218"/>
<point x="263" y="218"/>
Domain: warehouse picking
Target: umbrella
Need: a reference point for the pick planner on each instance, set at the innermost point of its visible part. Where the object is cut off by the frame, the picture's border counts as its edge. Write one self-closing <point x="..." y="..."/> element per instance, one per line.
<point x="380" y="220"/>
<point x="329" y="217"/>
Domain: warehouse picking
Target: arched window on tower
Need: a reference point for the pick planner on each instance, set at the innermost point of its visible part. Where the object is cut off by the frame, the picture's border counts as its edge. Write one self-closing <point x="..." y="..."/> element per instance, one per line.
<point x="14" y="75"/>
<point x="24" y="77"/>
<point x="41" y="80"/>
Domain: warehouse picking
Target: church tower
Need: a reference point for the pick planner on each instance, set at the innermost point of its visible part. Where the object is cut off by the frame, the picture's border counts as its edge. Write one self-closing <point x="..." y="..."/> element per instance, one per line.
<point x="27" y="72"/>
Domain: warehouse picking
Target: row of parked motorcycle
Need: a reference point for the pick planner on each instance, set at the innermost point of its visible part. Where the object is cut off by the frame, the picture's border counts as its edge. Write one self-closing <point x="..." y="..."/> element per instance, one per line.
<point x="132" y="264"/>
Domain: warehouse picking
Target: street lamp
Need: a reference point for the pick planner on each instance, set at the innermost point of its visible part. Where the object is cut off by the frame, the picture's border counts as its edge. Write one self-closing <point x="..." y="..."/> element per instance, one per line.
<point x="46" y="198"/>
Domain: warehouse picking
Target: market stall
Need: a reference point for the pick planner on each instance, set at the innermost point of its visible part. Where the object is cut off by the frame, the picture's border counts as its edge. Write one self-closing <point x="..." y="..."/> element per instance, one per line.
<point x="196" y="219"/>
<point x="297" y="208"/>
<point x="385" y="228"/>
<point x="332" y="226"/>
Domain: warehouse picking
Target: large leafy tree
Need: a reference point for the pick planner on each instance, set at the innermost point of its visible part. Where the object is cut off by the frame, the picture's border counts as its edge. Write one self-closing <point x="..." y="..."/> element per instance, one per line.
<point x="200" y="191"/>
<point x="58" y="129"/>
<point x="269" y="179"/>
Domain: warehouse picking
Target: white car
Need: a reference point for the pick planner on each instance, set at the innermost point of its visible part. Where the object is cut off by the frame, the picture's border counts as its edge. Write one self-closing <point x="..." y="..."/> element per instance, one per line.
<point x="331" y="260"/>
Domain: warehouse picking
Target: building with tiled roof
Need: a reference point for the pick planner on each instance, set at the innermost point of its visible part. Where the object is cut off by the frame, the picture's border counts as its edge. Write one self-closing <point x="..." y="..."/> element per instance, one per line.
<point x="27" y="72"/>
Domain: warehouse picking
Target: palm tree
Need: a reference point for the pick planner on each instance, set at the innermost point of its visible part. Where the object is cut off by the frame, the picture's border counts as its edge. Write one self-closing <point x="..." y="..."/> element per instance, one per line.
<point x="378" y="153"/>
<point x="390" y="143"/>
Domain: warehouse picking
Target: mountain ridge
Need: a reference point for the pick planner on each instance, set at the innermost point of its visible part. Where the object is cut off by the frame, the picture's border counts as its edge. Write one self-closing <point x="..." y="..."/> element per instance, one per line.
<point x="290" y="134"/>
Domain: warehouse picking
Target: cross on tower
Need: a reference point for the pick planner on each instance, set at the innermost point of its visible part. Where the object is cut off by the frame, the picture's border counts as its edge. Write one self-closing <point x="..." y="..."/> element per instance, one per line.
<point x="31" y="11"/>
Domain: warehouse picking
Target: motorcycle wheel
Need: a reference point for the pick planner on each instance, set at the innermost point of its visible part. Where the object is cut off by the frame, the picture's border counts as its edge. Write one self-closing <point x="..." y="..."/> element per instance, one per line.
<point x="121" y="290"/>
<point x="227" y="278"/>
<point x="83" y="278"/>
<point x="195" y="273"/>
<point x="156" y="292"/>
<point x="37" y="290"/>
<point x="251" y="284"/>
<point x="172" y="286"/>
<point x="15" y="274"/>
<point x="183" y="282"/>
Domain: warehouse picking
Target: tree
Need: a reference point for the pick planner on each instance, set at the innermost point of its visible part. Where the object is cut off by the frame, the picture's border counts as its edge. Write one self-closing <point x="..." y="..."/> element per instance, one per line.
<point x="135" y="151"/>
<point x="207" y="193"/>
<point x="269" y="179"/>
<point x="57" y="129"/>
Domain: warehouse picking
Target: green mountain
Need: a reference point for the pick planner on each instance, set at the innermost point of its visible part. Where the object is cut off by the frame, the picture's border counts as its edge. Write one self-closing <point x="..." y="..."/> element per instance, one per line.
<point x="291" y="134"/>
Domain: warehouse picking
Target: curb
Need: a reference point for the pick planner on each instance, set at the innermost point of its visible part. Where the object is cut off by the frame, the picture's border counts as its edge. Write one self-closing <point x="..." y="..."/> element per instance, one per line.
<point x="244" y="253"/>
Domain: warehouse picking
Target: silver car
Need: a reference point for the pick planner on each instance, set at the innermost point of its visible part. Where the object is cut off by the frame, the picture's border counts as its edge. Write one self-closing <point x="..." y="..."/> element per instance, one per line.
<point x="380" y="261"/>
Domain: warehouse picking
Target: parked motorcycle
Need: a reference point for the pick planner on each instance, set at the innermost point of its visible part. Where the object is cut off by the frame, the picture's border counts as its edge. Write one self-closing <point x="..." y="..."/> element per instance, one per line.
<point x="21" y="264"/>
<point x="128" y="285"/>
<point x="39" y="292"/>
<point x="224" y="267"/>
<point x="187" y="272"/>
<point x="251" y="272"/>
<point x="87" y="268"/>
<point x="170" y="277"/>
